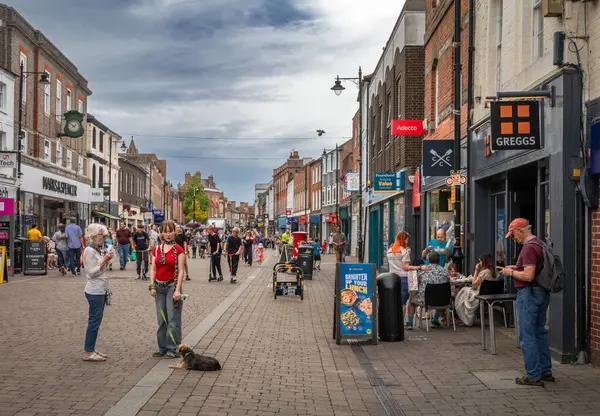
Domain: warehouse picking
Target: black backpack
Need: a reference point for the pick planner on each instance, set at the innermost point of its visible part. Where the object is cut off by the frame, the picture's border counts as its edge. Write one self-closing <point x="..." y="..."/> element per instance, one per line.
<point x="552" y="276"/>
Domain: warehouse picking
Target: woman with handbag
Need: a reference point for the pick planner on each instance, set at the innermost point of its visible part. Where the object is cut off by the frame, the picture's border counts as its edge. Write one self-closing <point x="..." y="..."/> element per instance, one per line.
<point x="166" y="275"/>
<point x="97" y="291"/>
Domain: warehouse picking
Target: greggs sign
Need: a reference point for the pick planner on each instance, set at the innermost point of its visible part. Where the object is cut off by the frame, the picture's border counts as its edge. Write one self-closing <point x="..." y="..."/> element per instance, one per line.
<point x="515" y="125"/>
<point x="407" y="128"/>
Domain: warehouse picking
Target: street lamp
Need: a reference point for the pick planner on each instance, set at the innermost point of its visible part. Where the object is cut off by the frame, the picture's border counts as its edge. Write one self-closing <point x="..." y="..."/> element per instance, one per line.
<point x="194" y="205"/>
<point x="338" y="88"/>
<point x="20" y="134"/>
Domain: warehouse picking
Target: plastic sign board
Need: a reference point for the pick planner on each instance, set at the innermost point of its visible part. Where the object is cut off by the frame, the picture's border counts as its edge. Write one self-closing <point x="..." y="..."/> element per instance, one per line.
<point x="351" y="182"/>
<point x="515" y="125"/>
<point x="438" y="157"/>
<point x="355" y="309"/>
<point x="456" y="179"/>
<point x="407" y="128"/>
<point x="389" y="181"/>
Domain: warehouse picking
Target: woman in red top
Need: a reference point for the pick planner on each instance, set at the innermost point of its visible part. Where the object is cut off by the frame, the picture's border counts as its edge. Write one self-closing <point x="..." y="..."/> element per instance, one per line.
<point x="166" y="274"/>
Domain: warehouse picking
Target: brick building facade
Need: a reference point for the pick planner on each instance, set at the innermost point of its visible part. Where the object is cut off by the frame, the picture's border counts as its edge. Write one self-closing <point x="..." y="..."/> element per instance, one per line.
<point x="45" y="157"/>
<point x="281" y="176"/>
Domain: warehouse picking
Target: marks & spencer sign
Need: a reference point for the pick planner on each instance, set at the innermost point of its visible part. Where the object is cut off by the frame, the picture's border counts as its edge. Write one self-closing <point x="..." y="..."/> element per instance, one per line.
<point x="515" y="125"/>
<point x="59" y="186"/>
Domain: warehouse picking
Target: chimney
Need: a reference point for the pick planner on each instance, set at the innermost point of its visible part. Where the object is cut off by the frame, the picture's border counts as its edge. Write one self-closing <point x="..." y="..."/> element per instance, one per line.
<point x="296" y="155"/>
<point x="211" y="180"/>
<point x="198" y="175"/>
<point x="188" y="177"/>
<point x="291" y="155"/>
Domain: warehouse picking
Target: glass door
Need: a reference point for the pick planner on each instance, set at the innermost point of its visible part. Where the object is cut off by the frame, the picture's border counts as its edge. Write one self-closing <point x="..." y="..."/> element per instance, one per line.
<point x="500" y="228"/>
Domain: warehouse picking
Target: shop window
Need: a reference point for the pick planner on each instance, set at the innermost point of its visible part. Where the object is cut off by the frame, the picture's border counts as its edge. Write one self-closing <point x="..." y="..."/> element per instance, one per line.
<point x="385" y="233"/>
<point x="440" y="211"/>
<point x="399" y="220"/>
<point x="500" y="228"/>
<point x="545" y="203"/>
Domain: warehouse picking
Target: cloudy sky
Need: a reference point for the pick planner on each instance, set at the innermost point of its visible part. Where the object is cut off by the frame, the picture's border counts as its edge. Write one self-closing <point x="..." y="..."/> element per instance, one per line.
<point x="207" y="84"/>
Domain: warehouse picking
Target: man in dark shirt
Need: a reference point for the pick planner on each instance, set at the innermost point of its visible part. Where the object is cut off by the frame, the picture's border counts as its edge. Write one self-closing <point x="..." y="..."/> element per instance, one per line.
<point x="123" y="244"/>
<point x="214" y="245"/>
<point x="233" y="248"/>
<point x="532" y="304"/>
<point x="182" y="241"/>
<point x="140" y="243"/>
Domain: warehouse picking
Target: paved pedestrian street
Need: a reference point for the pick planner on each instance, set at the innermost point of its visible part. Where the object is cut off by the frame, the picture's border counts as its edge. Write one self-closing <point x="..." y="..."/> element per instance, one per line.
<point x="278" y="357"/>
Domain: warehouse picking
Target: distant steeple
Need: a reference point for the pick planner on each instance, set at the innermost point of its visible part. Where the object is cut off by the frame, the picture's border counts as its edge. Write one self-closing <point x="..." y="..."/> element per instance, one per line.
<point x="132" y="150"/>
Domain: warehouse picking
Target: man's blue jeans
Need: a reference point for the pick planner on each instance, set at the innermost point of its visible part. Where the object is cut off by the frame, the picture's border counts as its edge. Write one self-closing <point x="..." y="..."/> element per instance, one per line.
<point x="94" y="320"/>
<point x="124" y="253"/>
<point x="532" y="303"/>
<point x="75" y="260"/>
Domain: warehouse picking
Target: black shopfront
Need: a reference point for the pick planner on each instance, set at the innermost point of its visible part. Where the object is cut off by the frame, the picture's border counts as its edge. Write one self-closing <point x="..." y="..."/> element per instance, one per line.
<point x="535" y="184"/>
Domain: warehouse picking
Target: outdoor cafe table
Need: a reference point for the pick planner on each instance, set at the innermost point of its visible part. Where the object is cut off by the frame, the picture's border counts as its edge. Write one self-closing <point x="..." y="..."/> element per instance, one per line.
<point x="491" y="300"/>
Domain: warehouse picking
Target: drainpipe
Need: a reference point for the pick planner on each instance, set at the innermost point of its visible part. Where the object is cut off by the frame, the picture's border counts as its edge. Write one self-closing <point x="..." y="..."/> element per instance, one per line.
<point x="458" y="256"/>
<point x="470" y="57"/>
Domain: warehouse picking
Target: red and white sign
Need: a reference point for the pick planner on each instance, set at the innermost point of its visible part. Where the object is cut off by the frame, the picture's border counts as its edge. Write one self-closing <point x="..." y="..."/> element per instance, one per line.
<point x="407" y="128"/>
<point x="288" y="212"/>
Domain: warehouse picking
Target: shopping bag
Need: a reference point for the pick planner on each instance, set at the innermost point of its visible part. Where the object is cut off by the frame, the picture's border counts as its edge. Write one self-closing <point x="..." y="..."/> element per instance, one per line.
<point x="413" y="281"/>
<point x="133" y="256"/>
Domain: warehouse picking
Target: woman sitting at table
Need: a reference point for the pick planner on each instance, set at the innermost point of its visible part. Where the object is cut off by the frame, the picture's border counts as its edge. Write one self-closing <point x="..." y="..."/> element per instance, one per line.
<point x="466" y="304"/>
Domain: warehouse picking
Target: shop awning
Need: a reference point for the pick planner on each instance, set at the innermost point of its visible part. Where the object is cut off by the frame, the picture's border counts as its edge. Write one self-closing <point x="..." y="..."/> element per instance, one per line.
<point x="104" y="214"/>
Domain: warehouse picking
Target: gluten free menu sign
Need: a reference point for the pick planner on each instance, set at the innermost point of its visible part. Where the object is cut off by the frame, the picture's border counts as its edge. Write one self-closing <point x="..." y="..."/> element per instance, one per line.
<point x="356" y="300"/>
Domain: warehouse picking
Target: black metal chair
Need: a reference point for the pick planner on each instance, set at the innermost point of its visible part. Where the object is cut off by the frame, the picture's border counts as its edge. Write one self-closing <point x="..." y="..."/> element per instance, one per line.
<point x="494" y="287"/>
<point x="438" y="296"/>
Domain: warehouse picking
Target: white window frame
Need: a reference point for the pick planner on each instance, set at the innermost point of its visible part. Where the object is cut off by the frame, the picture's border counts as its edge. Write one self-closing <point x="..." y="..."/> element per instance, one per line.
<point x="58" y="100"/>
<point x="47" y="150"/>
<point x="69" y="105"/>
<point x="3" y="89"/>
<point x="80" y="105"/>
<point x="59" y="153"/>
<point x="538" y="30"/>
<point x="47" y="96"/>
<point x="23" y="59"/>
<point x="69" y="159"/>
<point x="80" y="165"/>
<point x="499" y="17"/>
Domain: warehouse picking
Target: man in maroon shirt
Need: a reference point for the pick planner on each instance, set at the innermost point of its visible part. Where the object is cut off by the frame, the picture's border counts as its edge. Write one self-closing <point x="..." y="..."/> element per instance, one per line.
<point x="123" y="244"/>
<point x="532" y="303"/>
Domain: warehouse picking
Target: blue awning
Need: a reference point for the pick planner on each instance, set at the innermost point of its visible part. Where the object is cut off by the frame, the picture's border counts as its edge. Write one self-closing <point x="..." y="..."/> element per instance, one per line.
<point x="315" y="219"/>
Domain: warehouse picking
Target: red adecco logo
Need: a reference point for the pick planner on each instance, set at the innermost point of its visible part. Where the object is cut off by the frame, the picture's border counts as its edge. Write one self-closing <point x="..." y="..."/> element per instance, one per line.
<point x="407" y="128"/>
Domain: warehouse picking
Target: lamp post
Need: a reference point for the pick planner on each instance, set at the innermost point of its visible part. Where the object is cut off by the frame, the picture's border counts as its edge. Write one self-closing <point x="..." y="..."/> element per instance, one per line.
<point x="110" y="164"/>
<point x="338" y="88"/>
<point x="194" y="205"/>
<point x="20" y="134"/>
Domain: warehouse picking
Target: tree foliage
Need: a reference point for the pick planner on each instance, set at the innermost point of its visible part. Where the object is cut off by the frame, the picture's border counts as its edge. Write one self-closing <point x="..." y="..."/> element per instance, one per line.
<point x="200" y="214"/>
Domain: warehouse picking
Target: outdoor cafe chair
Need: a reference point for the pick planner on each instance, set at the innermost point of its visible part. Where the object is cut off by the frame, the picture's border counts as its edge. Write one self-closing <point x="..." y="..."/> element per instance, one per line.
<point x="438" y="296"/>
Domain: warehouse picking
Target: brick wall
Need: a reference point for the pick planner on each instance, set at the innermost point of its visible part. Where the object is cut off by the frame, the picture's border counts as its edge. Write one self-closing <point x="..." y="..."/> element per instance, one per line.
<point x="403" y="91"/>
<point x="595" y="290"/>
<point x="439" y="57"/>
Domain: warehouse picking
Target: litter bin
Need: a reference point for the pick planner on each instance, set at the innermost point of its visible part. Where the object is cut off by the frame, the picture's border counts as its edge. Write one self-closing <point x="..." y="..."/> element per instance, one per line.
<point x="306" y="260"/>
<point x="390" y="314"/>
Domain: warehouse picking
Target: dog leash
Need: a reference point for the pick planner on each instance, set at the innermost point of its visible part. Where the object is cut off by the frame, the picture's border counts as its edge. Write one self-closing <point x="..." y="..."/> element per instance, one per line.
<point x="167" y="324"/>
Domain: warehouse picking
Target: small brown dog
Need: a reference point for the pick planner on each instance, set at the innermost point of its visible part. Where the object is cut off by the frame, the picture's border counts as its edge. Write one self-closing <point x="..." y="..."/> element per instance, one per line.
<point x="193" y="361"/>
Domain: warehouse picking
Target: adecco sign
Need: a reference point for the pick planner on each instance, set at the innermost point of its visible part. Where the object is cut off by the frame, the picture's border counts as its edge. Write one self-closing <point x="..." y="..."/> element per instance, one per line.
<point x="515" y="125"/>
<point x="407" y="128"/>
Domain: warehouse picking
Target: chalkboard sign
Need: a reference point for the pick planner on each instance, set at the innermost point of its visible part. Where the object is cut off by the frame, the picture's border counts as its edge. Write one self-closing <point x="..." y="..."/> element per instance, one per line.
<point x="35" y="258"/>
<point x="355" y="309"/>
